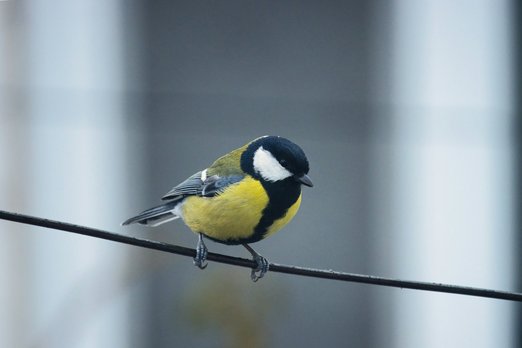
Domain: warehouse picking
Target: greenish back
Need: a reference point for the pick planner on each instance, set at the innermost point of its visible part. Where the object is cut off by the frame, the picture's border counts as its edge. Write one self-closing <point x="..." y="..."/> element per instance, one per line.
<point x="229" y="164"/>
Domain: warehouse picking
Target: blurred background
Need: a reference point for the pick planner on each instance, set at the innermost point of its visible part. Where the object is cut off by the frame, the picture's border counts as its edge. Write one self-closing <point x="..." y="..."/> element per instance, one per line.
<point x="409" y="114"/>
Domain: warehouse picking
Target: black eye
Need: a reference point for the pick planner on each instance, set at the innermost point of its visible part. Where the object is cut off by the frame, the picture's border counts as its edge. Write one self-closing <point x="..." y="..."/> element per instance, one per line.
<point x="283" y="162"/>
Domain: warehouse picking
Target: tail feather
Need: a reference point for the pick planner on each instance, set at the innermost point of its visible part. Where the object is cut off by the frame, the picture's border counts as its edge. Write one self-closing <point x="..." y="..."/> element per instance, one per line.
<point x="155" y="216"/>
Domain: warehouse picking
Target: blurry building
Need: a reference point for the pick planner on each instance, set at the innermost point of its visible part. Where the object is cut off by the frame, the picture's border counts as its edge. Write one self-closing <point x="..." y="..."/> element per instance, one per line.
<point x="406" y="110"/>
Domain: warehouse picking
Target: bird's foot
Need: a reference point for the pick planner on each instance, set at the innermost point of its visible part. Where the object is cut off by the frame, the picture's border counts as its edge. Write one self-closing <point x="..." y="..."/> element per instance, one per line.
<point x="201" y="253"/>
<point x="262" y="267"/>
<point x="262" y="264"/>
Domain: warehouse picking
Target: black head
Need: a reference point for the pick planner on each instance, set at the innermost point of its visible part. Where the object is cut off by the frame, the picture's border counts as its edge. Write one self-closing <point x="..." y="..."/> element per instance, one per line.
<point x="273" y="159"/>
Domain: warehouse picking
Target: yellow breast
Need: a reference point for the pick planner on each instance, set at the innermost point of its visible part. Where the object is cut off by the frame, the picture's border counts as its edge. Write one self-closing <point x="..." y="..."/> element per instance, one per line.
<point x="234" y="214"/>
<point x="231" y="215"/>
<point x="280" y="223"/>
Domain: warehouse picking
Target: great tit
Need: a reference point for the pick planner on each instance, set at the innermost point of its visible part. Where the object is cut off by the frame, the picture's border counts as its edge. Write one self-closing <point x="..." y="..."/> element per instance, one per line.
<point x="243" y="197"/>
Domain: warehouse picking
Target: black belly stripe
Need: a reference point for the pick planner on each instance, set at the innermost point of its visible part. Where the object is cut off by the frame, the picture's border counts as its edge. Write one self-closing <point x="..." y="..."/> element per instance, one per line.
<point x="281" y="196"/>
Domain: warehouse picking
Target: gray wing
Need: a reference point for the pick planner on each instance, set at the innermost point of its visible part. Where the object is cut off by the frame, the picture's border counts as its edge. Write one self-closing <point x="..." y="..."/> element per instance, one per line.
<point x="195" y="186"/>
<point x="191" y="186"/>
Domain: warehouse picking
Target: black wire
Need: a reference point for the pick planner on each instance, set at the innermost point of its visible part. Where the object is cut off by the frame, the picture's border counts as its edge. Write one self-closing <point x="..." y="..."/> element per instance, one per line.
<point x="274" y="267"/>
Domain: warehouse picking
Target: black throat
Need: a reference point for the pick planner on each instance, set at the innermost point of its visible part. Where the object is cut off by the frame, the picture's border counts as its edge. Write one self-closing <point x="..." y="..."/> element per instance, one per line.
<point x="281" y="196"/>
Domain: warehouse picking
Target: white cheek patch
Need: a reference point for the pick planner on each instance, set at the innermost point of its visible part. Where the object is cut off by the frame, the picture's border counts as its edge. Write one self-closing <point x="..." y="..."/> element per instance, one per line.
<point x="268" y="167"/>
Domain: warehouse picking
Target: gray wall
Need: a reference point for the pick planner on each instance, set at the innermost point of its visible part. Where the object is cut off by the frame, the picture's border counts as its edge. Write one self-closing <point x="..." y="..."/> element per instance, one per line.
<point x="218" y="75"/>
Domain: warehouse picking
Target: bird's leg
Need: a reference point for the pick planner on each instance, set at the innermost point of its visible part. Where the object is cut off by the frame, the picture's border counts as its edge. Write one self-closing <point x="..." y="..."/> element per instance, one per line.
<point x="201" y="253"/>
<point x="262" y="264"/>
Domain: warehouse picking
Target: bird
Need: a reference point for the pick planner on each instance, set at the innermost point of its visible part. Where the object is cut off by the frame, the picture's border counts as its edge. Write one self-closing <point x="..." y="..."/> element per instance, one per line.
<point x="245" y="196"/>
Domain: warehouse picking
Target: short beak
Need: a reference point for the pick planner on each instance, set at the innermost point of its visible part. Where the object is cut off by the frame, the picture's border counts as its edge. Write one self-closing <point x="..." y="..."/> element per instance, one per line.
<point x="304" y="179"/>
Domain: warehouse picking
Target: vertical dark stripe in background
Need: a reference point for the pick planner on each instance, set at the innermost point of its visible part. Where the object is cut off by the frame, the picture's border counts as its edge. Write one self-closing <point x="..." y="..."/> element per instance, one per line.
<point x="216" y="74"/>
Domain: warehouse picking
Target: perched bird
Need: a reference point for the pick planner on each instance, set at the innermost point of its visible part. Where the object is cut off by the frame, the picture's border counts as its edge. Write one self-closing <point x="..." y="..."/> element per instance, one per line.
<point x="243" y="197"/>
